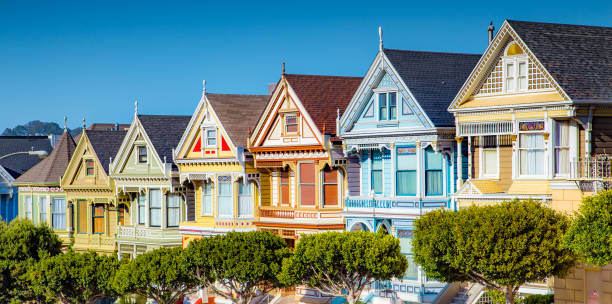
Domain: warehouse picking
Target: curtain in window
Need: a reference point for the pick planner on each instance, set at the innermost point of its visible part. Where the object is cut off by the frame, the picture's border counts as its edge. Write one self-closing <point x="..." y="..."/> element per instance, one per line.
<point x="82" y="217"/>
<point x="433" y="172"/>
<point x="155" y="207"/>
<point x="489" y="161"/>
<point x="226" y="199"/>
<point x="28" y="207"/>
<point x="406" y="172"/>
<point x="307" y="184"/>
<point x="98" y="219"/>
<point x="532" y="154"/>
<point x="58" y="213"/>
<point x="562" y="147"/>
<point x="173" y="206"/>
<point x="284" y="181"/>
<point x="330" y="186"/>
<point x="42" y="203"/>
<point x="207" y="196"/>
<point x="244" y="199"/>
<point x="377" y="177"/>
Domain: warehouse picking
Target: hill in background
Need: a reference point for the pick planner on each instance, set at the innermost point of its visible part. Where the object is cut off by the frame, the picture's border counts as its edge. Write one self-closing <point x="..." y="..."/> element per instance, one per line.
<point x="38" y="128"/>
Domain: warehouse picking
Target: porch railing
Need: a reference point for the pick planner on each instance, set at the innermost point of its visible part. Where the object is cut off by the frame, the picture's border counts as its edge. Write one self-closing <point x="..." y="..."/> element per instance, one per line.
<point x="598" y="167"/>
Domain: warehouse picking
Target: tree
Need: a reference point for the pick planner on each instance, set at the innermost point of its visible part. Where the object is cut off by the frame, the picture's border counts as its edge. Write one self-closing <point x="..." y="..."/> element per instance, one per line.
<point x="23" y="245"/>
<point x="160" y="274"/>
<point x="238" y="265"/>
<point x="343" y="263"/>
<point x="76" y="277"/>
<point x="590" y="234"/>
<point x="501" y="246"/>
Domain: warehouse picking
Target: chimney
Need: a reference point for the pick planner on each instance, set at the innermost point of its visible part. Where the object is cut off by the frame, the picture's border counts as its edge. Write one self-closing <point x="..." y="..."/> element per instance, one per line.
<point x="271" y="88"/>
<point x="491" y="30"/>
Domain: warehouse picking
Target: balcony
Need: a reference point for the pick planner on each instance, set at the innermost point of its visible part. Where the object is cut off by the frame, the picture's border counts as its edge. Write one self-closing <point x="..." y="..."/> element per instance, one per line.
<point x="288" y="215"/>
<point x="372" y="206"/>
<point x="149" y="234"/>
<point x="594" y="173"/>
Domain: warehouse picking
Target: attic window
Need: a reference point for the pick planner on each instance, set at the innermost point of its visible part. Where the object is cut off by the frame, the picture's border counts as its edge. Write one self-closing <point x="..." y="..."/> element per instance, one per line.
<point x="291" y="124"/>
<point x="89" y="167"/>
<point x="387" y="106"/>
<point x="142" y="154"/>
<point x="211" y="138"/>
<point x="515" y="69"/>
<point x="514" y="49"/>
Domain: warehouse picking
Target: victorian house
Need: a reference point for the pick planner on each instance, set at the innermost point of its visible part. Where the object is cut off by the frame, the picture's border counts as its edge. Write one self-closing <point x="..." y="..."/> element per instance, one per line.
<point x="212" y="158"/>
<point x="535" y="117"/>
<point x="93" y="209"/>
<point x="401" y="157"/>
<point x="151" y="202"/>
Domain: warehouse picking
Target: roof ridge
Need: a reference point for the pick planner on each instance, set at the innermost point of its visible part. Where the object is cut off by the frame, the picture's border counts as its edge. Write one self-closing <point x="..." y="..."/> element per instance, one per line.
<point x="310" y="75"/>
<point x="231" y="94"/>
<point x="555" y="23"/>
<point x="431" y="52"/>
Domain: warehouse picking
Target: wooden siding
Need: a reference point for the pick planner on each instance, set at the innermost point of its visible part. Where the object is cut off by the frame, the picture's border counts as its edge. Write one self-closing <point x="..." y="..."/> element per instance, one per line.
<point x="352" y="169"/>
<point x="475" y="162"/>
<point x="505" y="167"/>
<point x="191" y="204"/>
<point x="266" y="189"/>
<point x="601" y="135"/>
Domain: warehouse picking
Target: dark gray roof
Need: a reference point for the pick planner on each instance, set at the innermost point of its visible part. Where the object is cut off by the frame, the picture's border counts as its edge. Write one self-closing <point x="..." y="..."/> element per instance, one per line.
<point x="105" y="144"/>
<point x="433" y="78"/>
<point x="578" y="57"/>
<point x="50" y="169"/>
<point x="165" y="132"/>
<point x="237" y="113"/>
<point x="19" y="164"/>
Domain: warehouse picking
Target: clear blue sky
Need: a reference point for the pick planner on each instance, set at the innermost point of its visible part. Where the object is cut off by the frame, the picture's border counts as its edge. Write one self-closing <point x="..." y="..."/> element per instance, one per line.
<point x="94" y="58"/>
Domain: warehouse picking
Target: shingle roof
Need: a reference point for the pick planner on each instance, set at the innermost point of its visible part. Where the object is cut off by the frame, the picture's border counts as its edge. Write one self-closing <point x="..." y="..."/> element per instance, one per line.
<point x="19" y="164"/>
<point x="322" y="96"/>
<point x="105" y="144"/>
<point x="237" y="113"/>
<point x="578" y="57"/>
<point x="433" y="78"/>
<point x="164" y="131"/>
<point x="50" y="169"/>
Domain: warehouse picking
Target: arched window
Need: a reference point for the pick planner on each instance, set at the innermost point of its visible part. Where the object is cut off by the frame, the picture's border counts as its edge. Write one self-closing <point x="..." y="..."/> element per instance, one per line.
<point x="515" y="69"/>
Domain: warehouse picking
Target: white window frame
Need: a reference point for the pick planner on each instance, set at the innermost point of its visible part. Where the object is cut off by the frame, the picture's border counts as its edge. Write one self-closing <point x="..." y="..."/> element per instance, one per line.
<point x="205" y="137"/>
<point x="161" y="207"/>
<point x="568" y="148"/>
<point x="203" y="198"/>
<point x="29" y="207"/>
<point x="481" y="161"/>
<point x="232" y="184"/>
<point x="297" y="123"/>
<point x="518" y="152"/>
<point x="250" y="186"/>
<point x="516" y="60"/>
<point x="397" y="106"/>
<point x="138" y="147"/>
<point x="42" y="206"/>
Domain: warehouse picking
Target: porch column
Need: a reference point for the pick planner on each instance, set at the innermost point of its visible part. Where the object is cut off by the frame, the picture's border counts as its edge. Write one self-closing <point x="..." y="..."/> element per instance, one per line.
<point x="459" y="163"/>
<point x="469" y="157"/>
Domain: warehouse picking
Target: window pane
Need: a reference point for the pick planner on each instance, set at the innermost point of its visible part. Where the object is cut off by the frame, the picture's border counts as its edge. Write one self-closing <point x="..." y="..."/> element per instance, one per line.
<point x="28" y="207"/>
<point x="42" y="202"/>
<point x="433" y="182"/>
<point x="307" y="173"/>
<point x="244" y="199"/>
<point x="330" y="175"/>
<point x="330" y="196"/>
<point x="382" y="106"/>
<point x="433" y="160"/>
<point x="377" y="181"/>
<point x="225" y="201"/>
<point x="209" y="198"/>
<point x="562" y="161"/>
<point x="406" y="161"/>
<point x="405" y="107"/>
<point x="58" y="210"/>
<point x="406" y="182"/>
<point x="392" y="106"/>
<point x="155" y="198"/>
<point x="307" y="195"/>
<point x="82" y="218"/>
<point x="211" y="137"/>
<point x="141" y="208"/>
<point x="173" y="209"/>
<point x="562" y="133"/>
<point x="413" y="270"/>
<point x="155" y="207"/>
<point x="376" y="160"/>
<point x="98" y="219"/>
<point x="489" y="161"/>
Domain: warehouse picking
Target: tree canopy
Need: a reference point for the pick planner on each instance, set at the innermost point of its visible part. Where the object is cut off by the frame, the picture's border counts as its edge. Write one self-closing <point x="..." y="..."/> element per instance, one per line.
<point x="501" y="246"/>
<point x="242" y="265"/>
<point x="590" y="234"/>
<point x="76" y="277"/>
<point x="160" y="274"/>
<point x="343" y="263"/>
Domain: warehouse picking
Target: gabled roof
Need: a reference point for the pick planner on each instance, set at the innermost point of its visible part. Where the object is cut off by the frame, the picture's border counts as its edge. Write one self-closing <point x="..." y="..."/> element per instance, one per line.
<point x="164" y="131"/>
<point x="322" y="96"/>
<point x="50" y="169"/>
<point x="19" y="164"/>
<point x="105" y="144"/>
<point x="237" y="113"/>
<point x="578" y="57"/>
<point x="433" y="78"/>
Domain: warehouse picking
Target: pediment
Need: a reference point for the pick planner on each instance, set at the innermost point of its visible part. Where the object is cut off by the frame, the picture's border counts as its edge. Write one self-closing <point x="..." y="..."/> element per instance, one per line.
<point x="76" y="173"/>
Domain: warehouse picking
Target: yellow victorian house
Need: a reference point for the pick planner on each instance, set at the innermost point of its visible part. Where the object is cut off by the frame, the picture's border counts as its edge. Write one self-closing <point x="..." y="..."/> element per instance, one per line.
<point x="534" y="121"/>
<point x="90" y="192"/>
<point x="212" y="158"/>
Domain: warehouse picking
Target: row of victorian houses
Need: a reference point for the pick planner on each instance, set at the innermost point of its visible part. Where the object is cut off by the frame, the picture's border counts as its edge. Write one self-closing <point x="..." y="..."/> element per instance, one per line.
<point x="529" y="118"/>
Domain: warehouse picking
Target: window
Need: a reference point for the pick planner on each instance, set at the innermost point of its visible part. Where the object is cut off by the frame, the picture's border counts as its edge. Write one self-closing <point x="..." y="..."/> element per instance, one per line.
<point x="284" y="183"/>
<point x="97" y="215"/>
<point x="122" y="212"/>
<point x="142" y="154"/>
<point x="433" y="172"/>
<point x="369" y="112"/>
<point x="142" y="199"/>
<point x="489" y="156"/>
<point x="244" y="199"/>
<point x="291" y="124"/>
<point x="211" y="138"/>
<point x="225" y="197"/>
<point x="43" y="209"/>
<point x="28" y="207"/>
<point x="207" y="199"/>
<point x="89" y="165"/>
<point x="376" y="180"/>
<point x="562" y="137"/>
<point x="155" y="207"/>
<point x="515" y="70"/>
<point x="406" y="171"/>
<point x="330" y="186"/>
<point x="405" y="239"/>
<point x="82" y="216"/>
<point x="173" y="206"/>
<point x="387" y="106"/>
<point x="531" y="150"/>
<point x="382" y="106"/>
<point x="307" y="184"/>
<point x="58" y="213"/>
<point x="405" y="107"/>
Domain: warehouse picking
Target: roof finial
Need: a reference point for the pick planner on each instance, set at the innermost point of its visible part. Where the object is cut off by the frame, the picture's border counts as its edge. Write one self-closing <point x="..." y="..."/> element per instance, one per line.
<point x="283" y="68"/>
<point x="380" y="40"/>
<point x="203" y="86"/>
<point x="491" y="30"/>
<point x="83" y="123"/>
<point x="65" y="124"/>
<point x="135" y="107"/>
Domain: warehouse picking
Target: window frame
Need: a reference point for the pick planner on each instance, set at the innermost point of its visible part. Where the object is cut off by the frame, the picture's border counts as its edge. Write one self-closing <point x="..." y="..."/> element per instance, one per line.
<point x="87" y="167"/>
<point x="426" y="170"/>
<point x="481" y="156"/>
<point x="325" y="183"/>
<point x="515" y="60"/>
<point x="285" y="170"/>
<point x="397" y="170"/>
<point x="286" y="125"/>
<point x="80" y="220"/>
<point x="42" y="206"/>
<point x="29" y="199"/>
<point x="556" y="147"/>
<point x="120" y="216"/>
<point x="141" y="203"/>
<point x="151" y="208"/>
<point x="313" y="184"/>
<point x="205" y="143"/>
<point x="179" y="199"/>
<point x="139" y="155"/>
<point x="220" y="196"/>
<point x="542" y="132"/>
<point x="249" y="186"/>
<point x="53" y="214"/>
<point x="94" y="217"/>
<point x="382" y="186"/>
<point x="204" y="194"/>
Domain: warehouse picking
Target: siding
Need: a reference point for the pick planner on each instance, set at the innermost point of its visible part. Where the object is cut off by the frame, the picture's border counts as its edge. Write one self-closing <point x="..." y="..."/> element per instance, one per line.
<point x="601" y="135"/>
<point x="581" y="141"/>
<point x="475" y="162"/>
<point x="352" y="170"/>
<point x="191" y="204"/>
<point x="505" y="167"/>
<point x="266" y="190"/>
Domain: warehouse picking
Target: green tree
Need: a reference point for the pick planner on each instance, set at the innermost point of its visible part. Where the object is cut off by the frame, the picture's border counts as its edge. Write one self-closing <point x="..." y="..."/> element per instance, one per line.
<point x="238" y="265"/>
<point x="160" y="274"/>
<point x="590" y="234"/>
<point x="76" y="277"/>
<point x="343" y="263"/>
<point x="23" y="245"/>
<point x="501" y="246"/>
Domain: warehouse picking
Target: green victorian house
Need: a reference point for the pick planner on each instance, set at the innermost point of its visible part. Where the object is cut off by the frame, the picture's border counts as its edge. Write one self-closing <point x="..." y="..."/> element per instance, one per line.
<point x="151" y="200"/>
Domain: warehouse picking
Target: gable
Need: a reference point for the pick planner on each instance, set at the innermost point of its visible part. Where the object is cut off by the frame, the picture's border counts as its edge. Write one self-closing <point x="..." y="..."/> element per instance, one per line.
<point x="127" y="160"/>
<point x="76" y="172"/>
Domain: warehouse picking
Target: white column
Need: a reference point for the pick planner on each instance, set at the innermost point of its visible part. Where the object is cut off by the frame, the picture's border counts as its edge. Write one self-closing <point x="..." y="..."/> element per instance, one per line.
<point x="469" y="157"/>
<point x="459" y="162"/>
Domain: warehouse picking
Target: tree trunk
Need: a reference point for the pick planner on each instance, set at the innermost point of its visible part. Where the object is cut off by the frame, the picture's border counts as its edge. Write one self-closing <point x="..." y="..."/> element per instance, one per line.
<point x="351" y="298"/>
<point x="509" y="293"/>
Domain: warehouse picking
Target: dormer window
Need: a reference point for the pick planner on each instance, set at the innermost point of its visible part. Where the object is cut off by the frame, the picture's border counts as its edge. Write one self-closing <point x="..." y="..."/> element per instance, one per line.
<point x="142" y="154"/>
<point x="515" y="69"/>
<point x="89" y="167"/>
<point x="291" y="124"/>
<point x="211" y="138"/>
<point x="387" y="106"/>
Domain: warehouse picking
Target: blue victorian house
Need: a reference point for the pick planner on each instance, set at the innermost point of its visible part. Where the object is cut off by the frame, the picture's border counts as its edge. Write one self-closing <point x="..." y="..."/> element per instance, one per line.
<point x="399" y="141"/>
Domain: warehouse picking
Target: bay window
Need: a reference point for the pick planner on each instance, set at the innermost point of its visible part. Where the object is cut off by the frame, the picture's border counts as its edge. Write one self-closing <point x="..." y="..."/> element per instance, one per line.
<point x="490" y="157"/>
<point x="531" y="154"/>
<point x="406" y="168"/>
<point x="376" y="177"/>
<point x="330" y="186"/>
<point x="244" y="199"/>
<point x="225" y="199"/>
<point x="284" y="185"/>
<point x="155" y="202"/>
<point x="433" y="172"/>
<point x="58" y="213"/>
<point x="562" y="138"/>
<point x="97" y="219"/>
<point x="307" y="184"/>
<point x="207" y="199"/>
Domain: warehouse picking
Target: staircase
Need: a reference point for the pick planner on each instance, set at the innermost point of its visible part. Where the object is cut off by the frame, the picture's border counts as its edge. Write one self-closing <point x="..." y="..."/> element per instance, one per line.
<point x="461" y="297"/>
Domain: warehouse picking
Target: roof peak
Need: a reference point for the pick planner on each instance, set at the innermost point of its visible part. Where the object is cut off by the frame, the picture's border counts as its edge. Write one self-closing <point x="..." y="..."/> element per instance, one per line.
<point x="336" y="76"/>
<point x="429" y="52"/>
<point x="554" y="23"/>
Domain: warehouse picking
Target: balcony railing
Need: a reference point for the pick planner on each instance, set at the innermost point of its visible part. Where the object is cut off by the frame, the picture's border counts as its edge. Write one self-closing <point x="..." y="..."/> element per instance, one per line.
<point x="286" y="213"/>
<point x="366" y="202"/>
<point x="598" y="167"/>
<point x="127" y="231"/>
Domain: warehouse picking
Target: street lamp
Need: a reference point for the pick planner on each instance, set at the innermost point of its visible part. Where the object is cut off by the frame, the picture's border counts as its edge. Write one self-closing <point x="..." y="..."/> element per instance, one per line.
<point x="38" y="153"/>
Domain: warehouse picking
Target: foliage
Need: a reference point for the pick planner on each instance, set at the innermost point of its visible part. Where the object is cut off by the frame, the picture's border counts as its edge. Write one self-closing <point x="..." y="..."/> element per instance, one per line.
<point x="501" y="246"/>
<point x="23" y="245"/>
<point x="160" y="274"/>
<point x="242" y="264"/>
<point x="590" y="234"/>
<point x="37" y="127"/>
<point x="496" y="296"/>
<point x="343" y="263"/>
<point x="76" y="277"/>
<point x="539" y="299"/>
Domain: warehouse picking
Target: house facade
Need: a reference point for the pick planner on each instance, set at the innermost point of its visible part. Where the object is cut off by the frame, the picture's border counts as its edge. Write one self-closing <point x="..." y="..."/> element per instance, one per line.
<point x="212" y="158"/>
<point x="295" y="147"/>
<point x="535" y="116"/>
<point x="93" y="207"/>
<point x="151" y="202"/>
<point x="401" y="156"/>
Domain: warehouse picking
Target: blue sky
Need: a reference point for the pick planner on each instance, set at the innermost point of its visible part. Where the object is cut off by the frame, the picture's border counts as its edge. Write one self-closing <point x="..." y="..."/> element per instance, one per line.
<point x="92" y="59"/>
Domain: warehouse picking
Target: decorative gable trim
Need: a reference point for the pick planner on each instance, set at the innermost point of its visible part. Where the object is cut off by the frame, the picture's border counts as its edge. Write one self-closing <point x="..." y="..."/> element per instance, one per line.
<point x="6" y="176"/>
<point x="486" y="63"/>
<point x="83" y="146"/>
